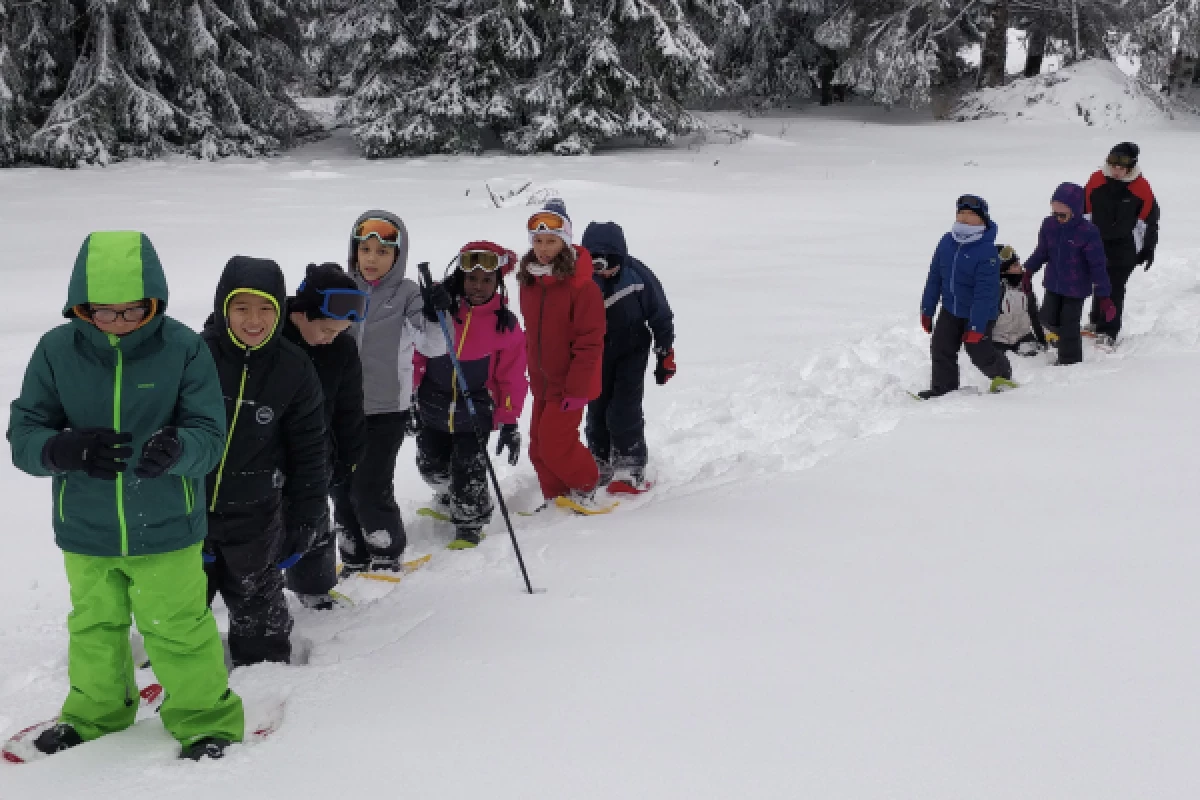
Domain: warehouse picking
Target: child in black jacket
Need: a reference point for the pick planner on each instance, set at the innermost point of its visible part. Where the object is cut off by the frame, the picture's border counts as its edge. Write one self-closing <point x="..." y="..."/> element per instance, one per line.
<point x="275" y="453"/>
<point x="638" y="317"/>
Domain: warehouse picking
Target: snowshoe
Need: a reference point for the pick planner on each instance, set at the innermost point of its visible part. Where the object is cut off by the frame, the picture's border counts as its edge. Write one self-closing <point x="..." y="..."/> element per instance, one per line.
<point x="1001" y="384"/>
<point x="466" y="538"/>
<point x="348" y="568"/>
<point x="208" y="747"/>
<point x="438" y="509"/>
<point x="392" y="570"/>
<point x="584" y="503"/>
<point x="1088" y="330"/>
<point x="1052" y="339"/>
<point x="631" y="485"/>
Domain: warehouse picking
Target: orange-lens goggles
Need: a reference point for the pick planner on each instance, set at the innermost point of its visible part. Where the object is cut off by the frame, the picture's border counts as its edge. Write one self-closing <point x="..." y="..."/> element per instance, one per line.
<point x="546" y="221"/>
<point x="381" y="229"/>
<point x="485" y="260"/>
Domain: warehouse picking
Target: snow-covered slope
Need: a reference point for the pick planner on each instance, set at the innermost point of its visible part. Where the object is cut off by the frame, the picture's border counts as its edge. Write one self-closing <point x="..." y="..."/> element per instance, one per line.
<point x="837" y="593"/>
<point x="1094" y="93"/>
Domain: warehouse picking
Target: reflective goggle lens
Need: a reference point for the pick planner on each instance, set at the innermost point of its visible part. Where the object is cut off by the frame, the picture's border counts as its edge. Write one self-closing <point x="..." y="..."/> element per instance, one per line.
<point x="381" y="229"/>
<point x="344" y="304"/>
<point x="1120" y="161"/>
<point x="546" y="221"/>
<point x="970" y="202"/>
<point x="472" y="260"/>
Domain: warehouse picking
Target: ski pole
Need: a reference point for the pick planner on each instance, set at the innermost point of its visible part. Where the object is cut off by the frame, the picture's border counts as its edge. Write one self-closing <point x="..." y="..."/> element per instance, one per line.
<point x="480" y="436"/>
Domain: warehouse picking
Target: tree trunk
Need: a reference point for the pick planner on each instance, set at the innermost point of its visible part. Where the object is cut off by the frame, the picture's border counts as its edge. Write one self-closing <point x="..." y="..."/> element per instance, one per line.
<point x="994" y="57"/>
<point x="1076" y="51"/>
<point x="1035" y="52"/>
<point x="825" y="72"/>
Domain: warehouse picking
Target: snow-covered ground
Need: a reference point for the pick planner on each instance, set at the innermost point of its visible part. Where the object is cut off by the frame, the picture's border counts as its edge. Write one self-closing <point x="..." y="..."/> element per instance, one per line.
<point x="837" y="592"/>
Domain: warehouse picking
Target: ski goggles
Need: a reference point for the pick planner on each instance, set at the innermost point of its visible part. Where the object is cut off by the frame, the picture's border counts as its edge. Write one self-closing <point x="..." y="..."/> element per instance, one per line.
<point x="486" y="260"/>
<point x="603" y="262"/>
<point x="387" y="233"/>
<point x="342" y="304"/>
<point x="1121" y="160"/>
<point x="971" y="202"/>
<point x="546" y="222"/>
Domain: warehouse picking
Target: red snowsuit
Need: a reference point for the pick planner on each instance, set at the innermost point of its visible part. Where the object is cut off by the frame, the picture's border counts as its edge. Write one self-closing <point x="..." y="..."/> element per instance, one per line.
<point x="564" y="323"/>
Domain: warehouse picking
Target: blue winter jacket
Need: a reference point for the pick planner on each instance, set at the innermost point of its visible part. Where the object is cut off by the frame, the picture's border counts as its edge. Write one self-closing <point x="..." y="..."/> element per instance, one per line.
<point x="634" y="300"/>
<point x="966" y="277"/>
<point x="1071" y="251"/>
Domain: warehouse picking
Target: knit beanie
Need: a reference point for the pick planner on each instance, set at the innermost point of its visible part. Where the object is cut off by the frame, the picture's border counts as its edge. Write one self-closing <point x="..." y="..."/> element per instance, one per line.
<point x="319" y="278"/>
<point x="1008" y="256"/>
<point x="559" y="209"/>
<point x="1125" y="154"/>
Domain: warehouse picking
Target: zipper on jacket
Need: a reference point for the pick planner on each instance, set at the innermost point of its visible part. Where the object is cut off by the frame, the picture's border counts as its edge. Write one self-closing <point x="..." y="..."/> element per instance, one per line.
<point x="462" y="340"/>
<point x="541" y="316"/>
<point x="62" y="490"/>
<point x="237" y="409"/>
<point x="953" y="275"/>
<point x="120" y="482"/>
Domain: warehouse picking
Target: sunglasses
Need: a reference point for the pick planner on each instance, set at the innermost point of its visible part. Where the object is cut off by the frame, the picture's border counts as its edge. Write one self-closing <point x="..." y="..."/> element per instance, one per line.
<point x="970" y="202"/>
<point x="342" y="304"/>
<point x="485" y="260"/>
<point x="1061" y="216"/>
<point x="546" y="221"/>
<point x="387" y="233"/>
<point x="110" y="315"/>
<point x="1121" y="161"/>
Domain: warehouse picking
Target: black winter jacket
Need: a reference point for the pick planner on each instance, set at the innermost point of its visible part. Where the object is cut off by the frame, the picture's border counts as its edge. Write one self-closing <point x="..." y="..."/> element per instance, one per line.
<point x="340" y="371"/>
<point x="275" y="449"/>
<point x="1116" y="207"/>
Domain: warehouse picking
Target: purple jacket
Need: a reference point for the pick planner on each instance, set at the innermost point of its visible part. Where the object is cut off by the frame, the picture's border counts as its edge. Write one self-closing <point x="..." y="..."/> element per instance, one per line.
<point x="1071" y="251"/>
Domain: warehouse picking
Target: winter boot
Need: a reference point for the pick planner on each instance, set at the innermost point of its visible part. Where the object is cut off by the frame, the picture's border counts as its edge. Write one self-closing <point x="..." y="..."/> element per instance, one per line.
<point x="351" y="567"/>
<point x="208" y="747"/>
<point x="1001" y="384"/>
<point x="57" y="738"/>
<point x="465" y="539"/>
<point x="929" y="394"/>
<point x="1088" y="330"/>
<point x="386" y="564"/>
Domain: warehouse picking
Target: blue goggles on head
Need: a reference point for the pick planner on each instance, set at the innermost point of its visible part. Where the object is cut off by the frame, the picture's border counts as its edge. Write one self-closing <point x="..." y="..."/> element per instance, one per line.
<point x="342" y="304"/>
<point x="971" y="202"/>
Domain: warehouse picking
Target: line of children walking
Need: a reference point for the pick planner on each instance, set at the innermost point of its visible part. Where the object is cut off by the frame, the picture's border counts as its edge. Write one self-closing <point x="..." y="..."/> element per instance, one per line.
<point x="319" y="390"/>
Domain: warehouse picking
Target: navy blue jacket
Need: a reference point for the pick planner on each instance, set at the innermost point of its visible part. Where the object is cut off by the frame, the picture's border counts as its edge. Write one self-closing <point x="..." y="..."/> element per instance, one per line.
<point x="634" y="301"/>
<point x="966" y="278"/>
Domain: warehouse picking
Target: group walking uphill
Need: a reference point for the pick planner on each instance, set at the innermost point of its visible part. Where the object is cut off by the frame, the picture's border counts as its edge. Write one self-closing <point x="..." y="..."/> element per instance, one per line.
<point x="1089" y="246"/>
<point x="189" y="465"/>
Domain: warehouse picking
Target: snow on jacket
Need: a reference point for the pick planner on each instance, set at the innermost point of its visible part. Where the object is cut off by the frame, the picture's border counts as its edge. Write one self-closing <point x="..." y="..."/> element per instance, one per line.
<point x="564" y="333"/>
<point x="1071" y="251"/>
<point x="276" y="447"/>
<point x="965" y="276"/>
<point x="160" y="374"/>
<point x="634" y="300"/>
<point x="493" y="363"/>
<point x="1126" y="212"/>
<point x="394" y="328"/>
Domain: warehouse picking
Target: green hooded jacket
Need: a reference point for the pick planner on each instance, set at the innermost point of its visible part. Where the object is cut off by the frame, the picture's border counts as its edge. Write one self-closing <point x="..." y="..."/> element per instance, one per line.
<point x="160" y="374"/>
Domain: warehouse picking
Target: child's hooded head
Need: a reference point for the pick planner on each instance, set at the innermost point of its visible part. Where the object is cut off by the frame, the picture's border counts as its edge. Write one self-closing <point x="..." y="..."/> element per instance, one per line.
<point x="378" y="244"/>
<point x="250" y="296"/>
<point x="118" y="283"/>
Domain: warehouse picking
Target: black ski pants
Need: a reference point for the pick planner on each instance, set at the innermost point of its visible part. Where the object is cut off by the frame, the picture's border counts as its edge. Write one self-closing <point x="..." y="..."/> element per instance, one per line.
<point x="452" y="464"/>
<point x="1119" y="277"/>
<point x="241" y="554"/>
<point x="1062" y="315"/>
<point x="616" y="424"/>
<point x="365" y="510"/>
<point x="948" y="333"/>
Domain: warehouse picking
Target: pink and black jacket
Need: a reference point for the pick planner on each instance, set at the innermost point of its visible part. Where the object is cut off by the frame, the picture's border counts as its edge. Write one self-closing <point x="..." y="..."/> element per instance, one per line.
<point x="494" y="364"/>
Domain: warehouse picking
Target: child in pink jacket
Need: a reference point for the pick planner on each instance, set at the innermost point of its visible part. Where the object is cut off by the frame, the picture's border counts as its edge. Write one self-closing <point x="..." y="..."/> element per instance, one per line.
<point x="490" y="346"/>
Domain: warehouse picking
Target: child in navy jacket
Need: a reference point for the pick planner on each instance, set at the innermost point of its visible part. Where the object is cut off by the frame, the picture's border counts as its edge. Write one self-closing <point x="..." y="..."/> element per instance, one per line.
<point x="638" y="316"/>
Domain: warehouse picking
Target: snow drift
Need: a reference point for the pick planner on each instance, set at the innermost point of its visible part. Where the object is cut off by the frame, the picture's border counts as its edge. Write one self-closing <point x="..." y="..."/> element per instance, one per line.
<point x="1094" y="93"/>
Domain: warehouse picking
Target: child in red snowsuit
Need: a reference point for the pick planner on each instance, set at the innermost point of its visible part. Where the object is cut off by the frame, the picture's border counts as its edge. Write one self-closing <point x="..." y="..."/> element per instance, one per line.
<point x="490" y="348"/>
<point x="564" y="316"/>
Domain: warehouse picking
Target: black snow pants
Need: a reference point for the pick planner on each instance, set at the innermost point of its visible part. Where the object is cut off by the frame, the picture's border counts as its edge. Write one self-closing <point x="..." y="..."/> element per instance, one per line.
<point x="365" y="511"/>
<point x="452" y="464"/>
<point x="1119" y="276"/>
<point x="1062" y="315"/>
<point x="616" y="425"/>
<point x="241" y="554"/>
<point x="947" y="338"/>
<point x="316" y="571"/>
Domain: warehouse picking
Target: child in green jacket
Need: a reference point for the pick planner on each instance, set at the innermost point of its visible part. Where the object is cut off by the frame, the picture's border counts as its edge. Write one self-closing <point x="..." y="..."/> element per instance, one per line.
<point x="122" y="406"/>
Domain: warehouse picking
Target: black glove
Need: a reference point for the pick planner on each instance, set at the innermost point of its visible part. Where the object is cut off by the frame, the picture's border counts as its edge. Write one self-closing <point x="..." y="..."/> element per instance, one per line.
<point x="1145" y="257"/>
<point x="161" y="452"/>
<point x="436" y="299"/>
<point x="300" y="537"/>
<point x="510" y="437"/>
<point x="666" y="365"/>
<point x="100" y="452"/>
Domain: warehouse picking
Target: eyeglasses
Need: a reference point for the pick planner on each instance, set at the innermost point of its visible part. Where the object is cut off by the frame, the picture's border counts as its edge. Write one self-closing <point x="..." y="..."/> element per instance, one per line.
<point x="342" y="304"/>
<point x="1121" y="161"/>
<point x="110" y="315"/>
<point x="1062" y="216"/>
<point x="485" y="260"/>
<point x="546" y="221"/>
<point x="970" y="202"/>
<point x="387" y="233"/>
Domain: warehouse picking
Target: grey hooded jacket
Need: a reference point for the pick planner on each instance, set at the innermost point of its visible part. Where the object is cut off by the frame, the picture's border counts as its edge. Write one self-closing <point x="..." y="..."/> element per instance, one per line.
<point x="394" y="328"/>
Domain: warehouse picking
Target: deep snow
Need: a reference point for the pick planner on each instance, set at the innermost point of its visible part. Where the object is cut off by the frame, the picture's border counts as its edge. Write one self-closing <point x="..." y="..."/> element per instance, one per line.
<point x="990" y="601"/>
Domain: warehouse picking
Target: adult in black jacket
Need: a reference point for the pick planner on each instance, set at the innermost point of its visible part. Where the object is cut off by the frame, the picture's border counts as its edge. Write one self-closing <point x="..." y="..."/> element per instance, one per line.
<point x="1123" y="206"/>
<point x="275" y="453"/>
<point x="638" y="316"/>
<point x="317" y="321"/>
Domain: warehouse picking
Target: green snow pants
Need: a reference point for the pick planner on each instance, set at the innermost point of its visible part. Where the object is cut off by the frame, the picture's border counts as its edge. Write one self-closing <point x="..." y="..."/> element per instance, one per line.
<point x="167" y="595"/>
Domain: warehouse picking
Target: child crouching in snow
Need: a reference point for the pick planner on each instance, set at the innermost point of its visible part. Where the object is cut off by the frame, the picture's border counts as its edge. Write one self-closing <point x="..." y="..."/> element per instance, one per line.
<point x="965" y="276"/>
<point x="490" y="348"/>
<point x="1018" y="329"/>
<point x="564" y="312"/>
